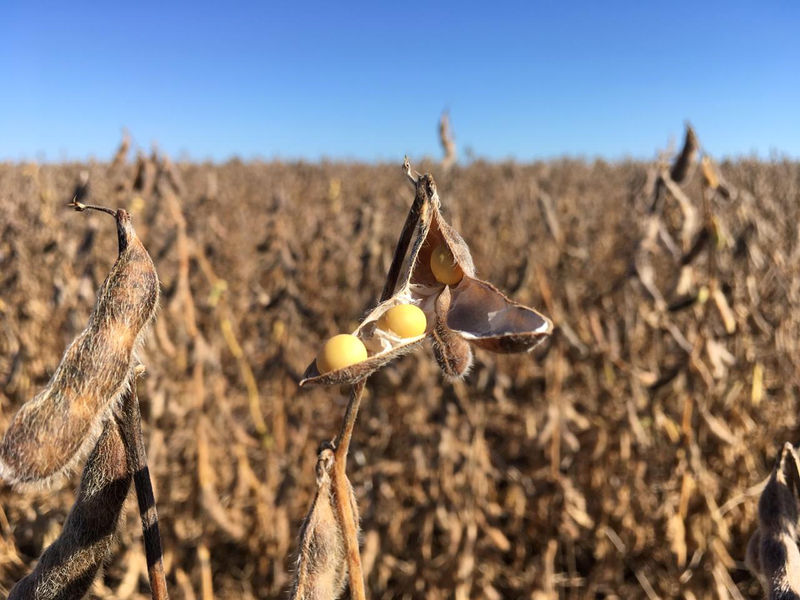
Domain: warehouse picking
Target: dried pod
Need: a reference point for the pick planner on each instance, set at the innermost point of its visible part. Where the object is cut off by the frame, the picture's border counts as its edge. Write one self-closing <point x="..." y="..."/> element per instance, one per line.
<point x="484" y="316"/>
<point x="438" y="277"/>
<point x="684" y="163"/>
<point x="321" y="562"/>
<point x="772" y="553"/>
<point x="713" y="179"/>
<point x="452" y="351"/>
<point x="68" y="567"/>
<point x="447" y="141"/>
<point x="710" y="178"/>
<point x="53" y="430"/>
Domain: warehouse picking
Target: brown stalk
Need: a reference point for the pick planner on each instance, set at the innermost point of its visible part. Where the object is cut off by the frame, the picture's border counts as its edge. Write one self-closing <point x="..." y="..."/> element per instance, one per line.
<point x="341" y="489"/>
<point x="80" y="207"/>
<point x="130" y="424"/>
<point x="446" y="139"/>
<point x="341" y="485"/>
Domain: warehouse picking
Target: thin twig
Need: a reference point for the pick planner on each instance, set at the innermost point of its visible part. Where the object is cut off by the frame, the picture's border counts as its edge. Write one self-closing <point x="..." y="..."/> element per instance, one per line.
<point x="341" y="489"/>
<point x="341" y="485"/>
<point x="131" y="427"/>
<point x="407" y="170"/>
<point x="342" y="443"/>
<point x="80" y="207"/>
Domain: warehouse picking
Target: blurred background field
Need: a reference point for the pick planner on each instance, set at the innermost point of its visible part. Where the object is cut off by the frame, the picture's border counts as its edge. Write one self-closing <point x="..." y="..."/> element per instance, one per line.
<point x="620" y="459"/>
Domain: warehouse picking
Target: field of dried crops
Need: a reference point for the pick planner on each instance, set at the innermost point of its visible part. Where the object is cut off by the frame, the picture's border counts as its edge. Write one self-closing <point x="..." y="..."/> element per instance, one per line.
<point x="622" y="458"/>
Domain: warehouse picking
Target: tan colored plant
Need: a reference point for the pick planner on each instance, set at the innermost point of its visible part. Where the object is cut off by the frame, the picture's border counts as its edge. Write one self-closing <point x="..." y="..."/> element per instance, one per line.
<point x="90" y="402"/>
<point x="447" y="141"/>
<point x="686" y="161"/>
<point x="54" y="430"/>
<point x="438" y="277"/>
<point x="466" y="312"/>
<point x="322" y="557"/>
<point x="68" y="567"/>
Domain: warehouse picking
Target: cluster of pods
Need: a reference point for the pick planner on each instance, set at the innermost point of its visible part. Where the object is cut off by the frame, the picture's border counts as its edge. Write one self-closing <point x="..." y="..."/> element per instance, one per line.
<point x="435" y="295"/>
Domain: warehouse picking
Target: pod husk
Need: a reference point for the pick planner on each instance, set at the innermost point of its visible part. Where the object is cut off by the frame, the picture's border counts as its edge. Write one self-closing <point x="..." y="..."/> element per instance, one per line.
<point x="772" y="553"/>
<point x="321" y="559"/>
<point x="427" y="200"/>
<point x="51" y="432"/>
<point x="472" y="304"/>
<point x="684" y="163"/>
<point x="484" y="316"/>
<point x="452" y="352"/>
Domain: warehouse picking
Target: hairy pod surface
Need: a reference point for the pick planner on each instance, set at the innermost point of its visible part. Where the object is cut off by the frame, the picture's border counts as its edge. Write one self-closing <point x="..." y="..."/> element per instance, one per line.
<point x="321" y="571"/>
<point x="439" y="264"/>
<point x="452" y="352"/>
<point x="772" y="552"/>
<point x="68" y="567"/>
<point x="50" y="432"/>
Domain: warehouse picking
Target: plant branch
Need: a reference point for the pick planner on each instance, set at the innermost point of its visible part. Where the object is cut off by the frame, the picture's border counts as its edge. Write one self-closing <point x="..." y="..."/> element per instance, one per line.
<point x="80" y="207"/>
<point x="341" y="488"/>
<point x="131" y="427"/>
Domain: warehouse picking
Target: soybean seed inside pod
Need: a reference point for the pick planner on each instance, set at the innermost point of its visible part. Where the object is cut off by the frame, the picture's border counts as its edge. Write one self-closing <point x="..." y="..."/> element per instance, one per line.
<point x="404" y="320"/>
<point x="339" y="352"/>
<point x="444" y="266"/>
<point x="51" y="431"/>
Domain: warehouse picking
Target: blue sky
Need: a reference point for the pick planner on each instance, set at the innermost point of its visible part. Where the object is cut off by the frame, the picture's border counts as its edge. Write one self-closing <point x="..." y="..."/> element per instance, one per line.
<point x="528" y="80"/>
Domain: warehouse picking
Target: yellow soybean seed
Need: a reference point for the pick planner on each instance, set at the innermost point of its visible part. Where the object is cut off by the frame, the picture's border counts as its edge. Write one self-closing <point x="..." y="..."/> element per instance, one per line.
<point x="444" y="266"/>
<point x="404" y="320"/>
<point x="339" y="352"/>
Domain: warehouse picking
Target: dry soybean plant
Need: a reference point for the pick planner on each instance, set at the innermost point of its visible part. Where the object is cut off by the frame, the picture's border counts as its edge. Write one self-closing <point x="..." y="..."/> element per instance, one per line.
<point x="447" y="142"/>
<point x="772" y="553"/>
<point x="90" y="404"/>
<point x="695" y="281"/>
<point x="430" y="292"/>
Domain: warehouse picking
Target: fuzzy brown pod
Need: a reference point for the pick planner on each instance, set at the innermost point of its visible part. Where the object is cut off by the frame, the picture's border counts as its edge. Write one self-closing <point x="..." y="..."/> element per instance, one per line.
<point x="69" y="565"/>
<point x="52" y="431"/>
<point x="438" y="276"/>
<point x="684" y="163"/>
<point x="321" y="571"/>
<point x="772" y="553"/>
<point x="452" y="352"/>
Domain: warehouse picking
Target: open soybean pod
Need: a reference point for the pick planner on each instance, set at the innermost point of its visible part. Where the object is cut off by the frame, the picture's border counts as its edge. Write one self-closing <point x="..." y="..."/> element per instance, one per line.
<point x="383" y="345"/>
<point x="438" y="277"/>
<point x="52" y="431"/>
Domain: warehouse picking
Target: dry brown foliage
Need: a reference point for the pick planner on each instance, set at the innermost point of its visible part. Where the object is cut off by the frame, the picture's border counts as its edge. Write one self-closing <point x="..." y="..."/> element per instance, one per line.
<point x="624" y="462"/>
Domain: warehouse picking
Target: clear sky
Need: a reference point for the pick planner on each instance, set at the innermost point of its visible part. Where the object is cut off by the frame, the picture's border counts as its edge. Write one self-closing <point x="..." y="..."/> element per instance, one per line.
<point x="211" y="80"/>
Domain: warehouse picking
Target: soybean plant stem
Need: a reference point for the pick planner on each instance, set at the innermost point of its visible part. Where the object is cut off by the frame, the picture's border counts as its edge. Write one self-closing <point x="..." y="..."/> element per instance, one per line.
<point x="341" y="486"/>
<point x="131" y="427"/>
<point x="342" y="442"/>
<point x="342" y="494"/>
<point x="80" y="207"/>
